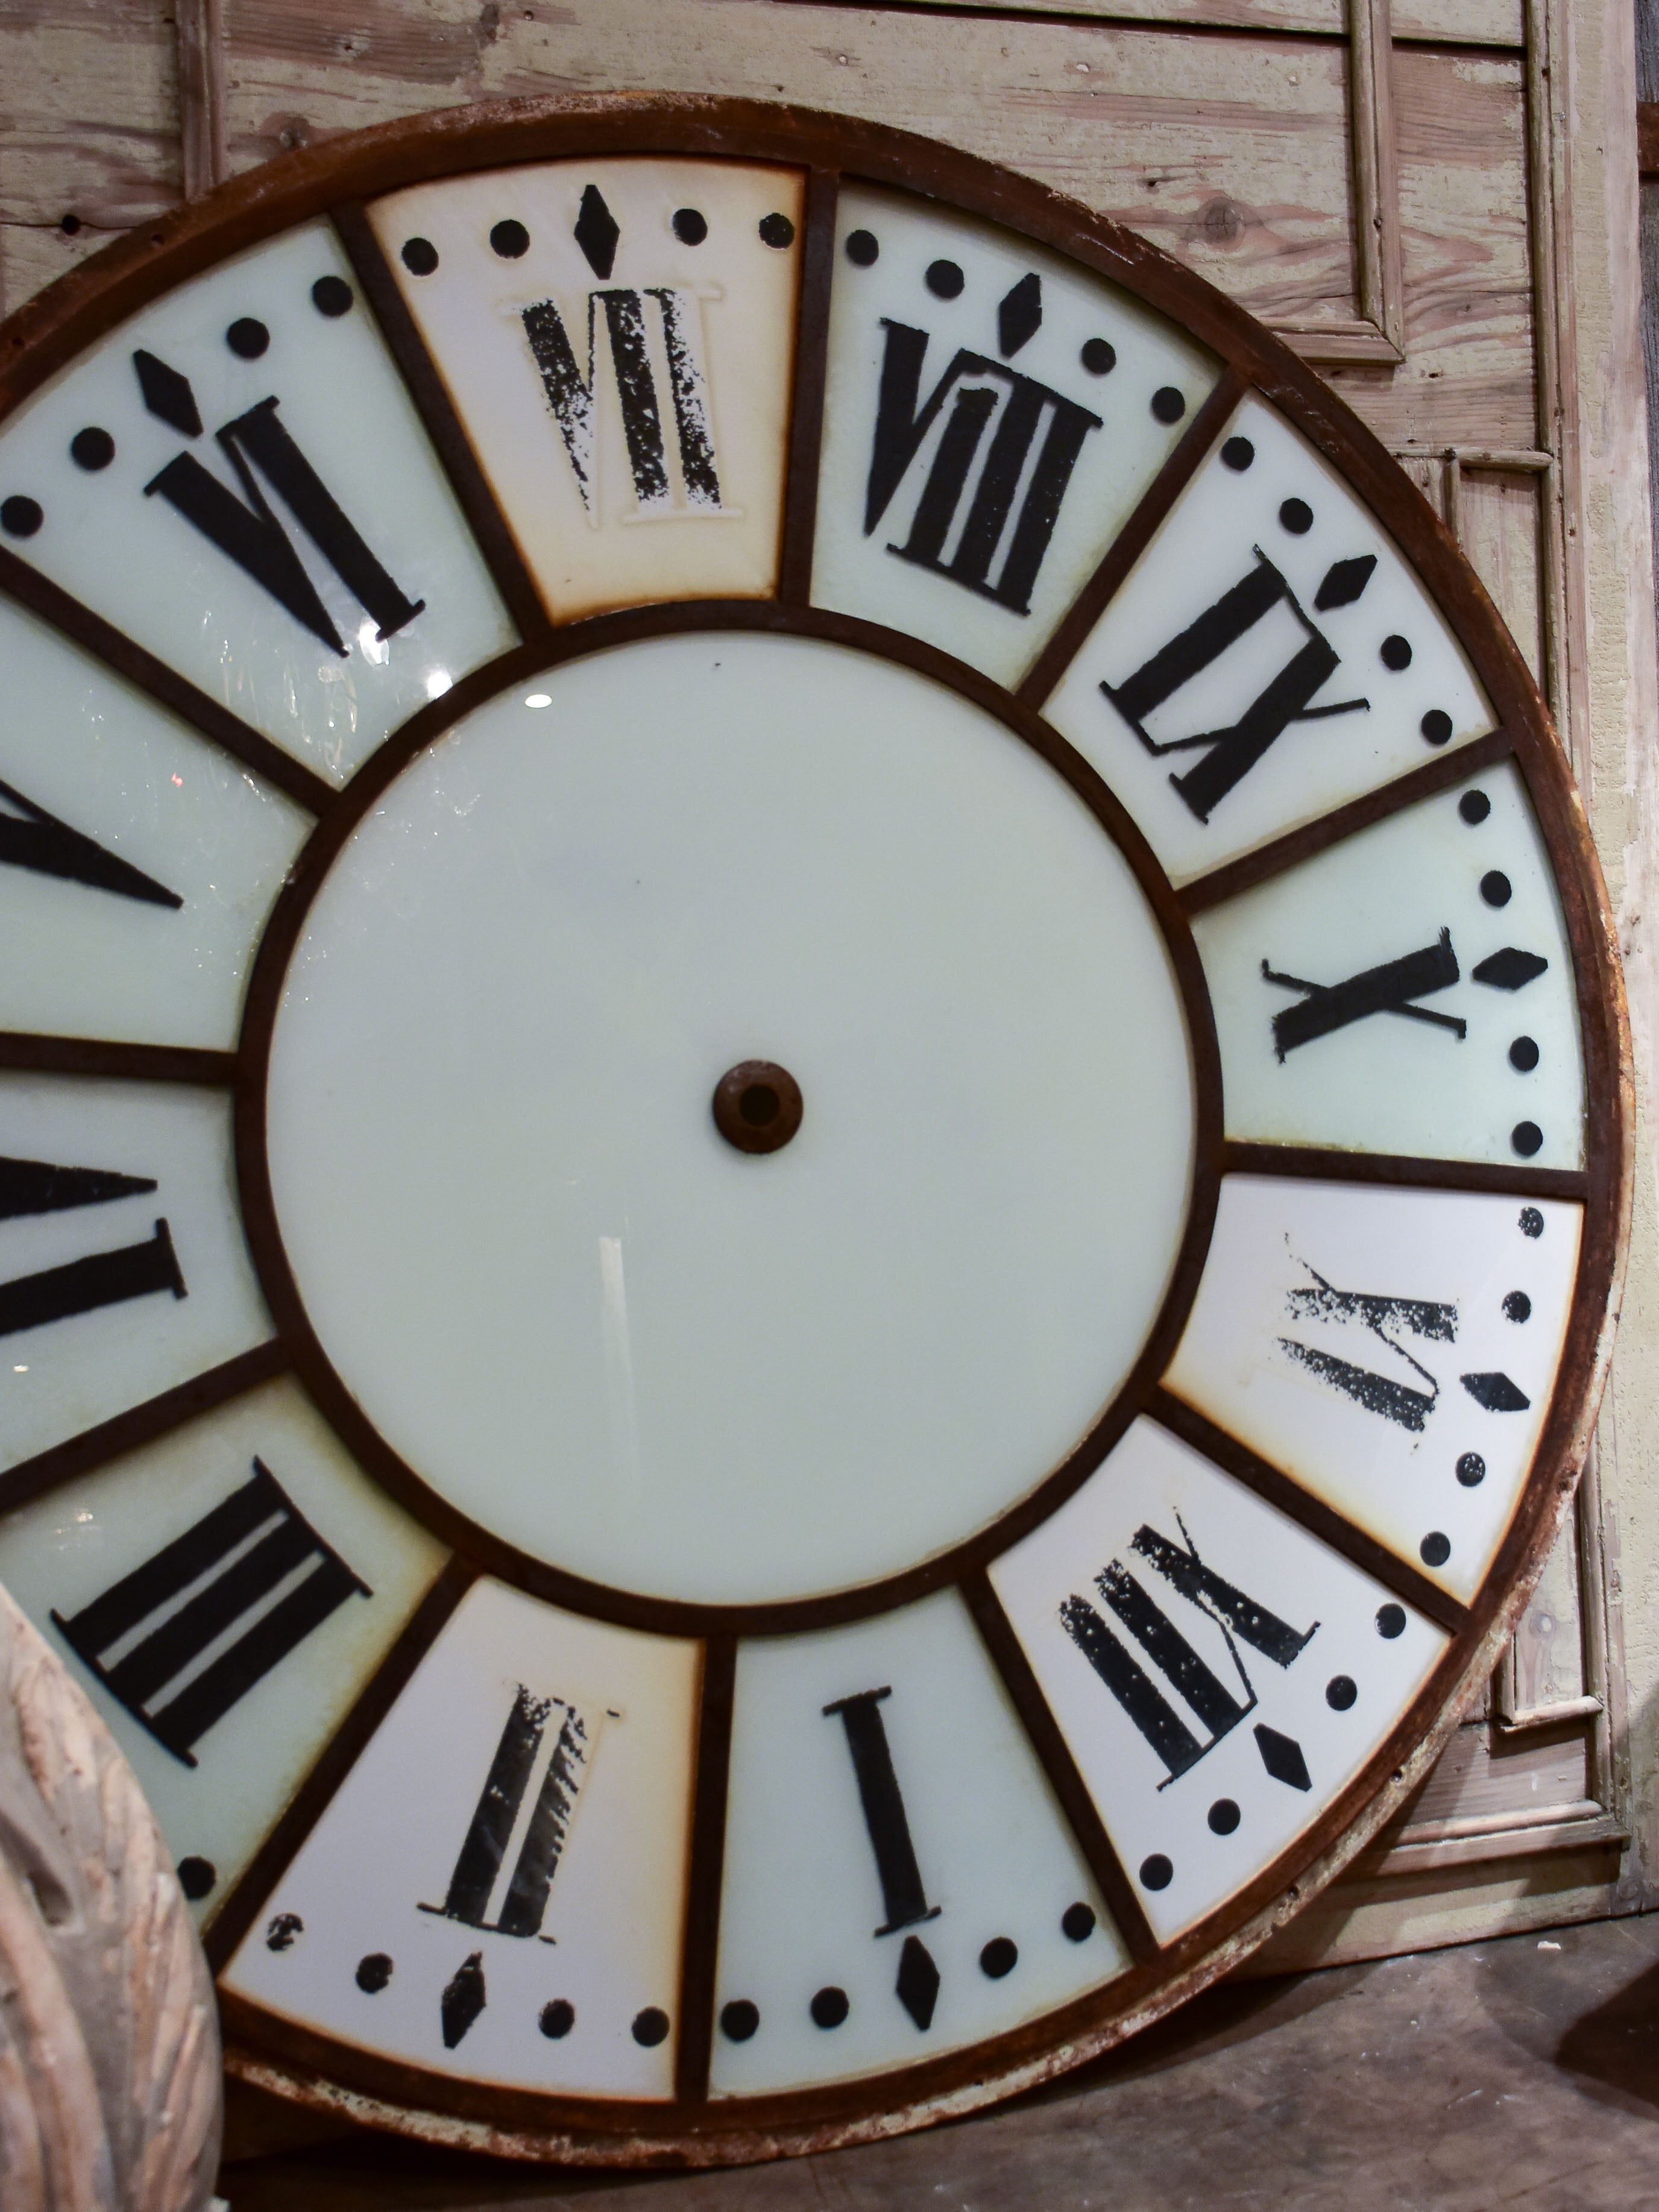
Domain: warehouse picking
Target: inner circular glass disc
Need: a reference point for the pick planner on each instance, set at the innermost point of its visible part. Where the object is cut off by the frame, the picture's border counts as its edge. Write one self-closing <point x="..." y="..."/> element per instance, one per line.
<point x="580" y="1314"/>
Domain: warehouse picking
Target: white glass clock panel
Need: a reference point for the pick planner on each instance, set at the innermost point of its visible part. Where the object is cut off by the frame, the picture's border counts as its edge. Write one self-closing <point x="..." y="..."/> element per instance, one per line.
<point x="618" y="338"/>
<point x="237" y="479"/>
<point x="232" y="1588"/>
<point x="1218" y="1673"/>
<point x="581" y="1314"/>
<point x="1271" y="655"/>
<point x="1392" y="1350"/>
<point x="898" y="1880"/>
<point x="123" y="1267"/>
<point x="138" y="863"/>
<point x="1409" y="990"/>
<point x="994" y="414"/>
<point x="497" y="1890"/>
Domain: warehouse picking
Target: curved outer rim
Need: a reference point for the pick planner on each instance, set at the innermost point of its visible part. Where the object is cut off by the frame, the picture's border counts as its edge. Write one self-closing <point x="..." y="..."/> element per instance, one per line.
<point x="661" y="1615"/>
<point x="85" y="304"/>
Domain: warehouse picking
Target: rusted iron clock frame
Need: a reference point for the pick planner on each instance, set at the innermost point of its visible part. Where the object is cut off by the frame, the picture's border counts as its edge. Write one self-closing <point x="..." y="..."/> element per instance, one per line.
<point x="335" y="180"/>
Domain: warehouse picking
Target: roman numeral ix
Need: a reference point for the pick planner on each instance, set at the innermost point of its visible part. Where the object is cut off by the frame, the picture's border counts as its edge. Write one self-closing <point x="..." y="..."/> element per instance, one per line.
<point x="103" y="1279"/>
<point x="904" y="1900"/>
<point x="1232" y="750"/>
<point x="1215" y="1705"/>
<point x="186" y="1636"/>
<point x="245" y="529"/>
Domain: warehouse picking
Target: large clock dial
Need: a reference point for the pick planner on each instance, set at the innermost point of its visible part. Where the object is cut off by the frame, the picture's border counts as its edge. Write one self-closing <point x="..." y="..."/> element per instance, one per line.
<point x="813" y="1119"/>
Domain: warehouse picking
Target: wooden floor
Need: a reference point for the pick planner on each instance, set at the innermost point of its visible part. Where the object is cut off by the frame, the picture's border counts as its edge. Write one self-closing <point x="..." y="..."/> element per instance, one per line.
<point x="1524" y="2072"/>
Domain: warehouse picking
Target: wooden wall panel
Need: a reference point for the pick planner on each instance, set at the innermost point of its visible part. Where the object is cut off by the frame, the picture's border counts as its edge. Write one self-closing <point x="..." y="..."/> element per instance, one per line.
<point x="1233" y="154"/>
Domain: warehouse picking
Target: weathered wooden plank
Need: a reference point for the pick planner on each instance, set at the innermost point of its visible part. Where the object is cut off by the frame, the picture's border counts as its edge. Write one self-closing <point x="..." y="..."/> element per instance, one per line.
<point x="1441" y="22"/>
<point x="1468" y="376"/>
<point x="90" y="121"/>
<point x="33" y="254"/>
<point x="1546" y="1663"/>
<point x="1485" y="1778"/>
<point x="1499" y="529"/>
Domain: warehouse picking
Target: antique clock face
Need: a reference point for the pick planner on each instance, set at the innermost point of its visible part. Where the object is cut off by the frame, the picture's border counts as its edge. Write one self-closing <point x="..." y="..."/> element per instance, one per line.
<point x="812" y="1115"/>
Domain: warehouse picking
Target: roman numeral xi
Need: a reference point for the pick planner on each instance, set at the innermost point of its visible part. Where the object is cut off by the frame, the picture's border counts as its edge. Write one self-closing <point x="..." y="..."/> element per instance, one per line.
<point x="238" y="1590"/>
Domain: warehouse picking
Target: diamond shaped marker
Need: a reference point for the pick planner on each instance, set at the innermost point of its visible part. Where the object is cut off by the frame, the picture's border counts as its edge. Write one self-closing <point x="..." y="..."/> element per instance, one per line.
<point x="463" y="2000"/>
<point x="596" y="231"/>
<point x="918" y="1981"/>
<point x="1511" y="969"/>
<point x="1282" y="1757"/>
<point x="167" y="393"/>
<point x="1494" y="1390"/>
<point x="1344" y="581"/>
<point x="1019" y="314"/>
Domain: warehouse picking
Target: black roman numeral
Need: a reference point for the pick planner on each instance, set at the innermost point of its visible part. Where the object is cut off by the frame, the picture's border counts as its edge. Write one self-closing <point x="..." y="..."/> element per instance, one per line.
<point x="103" y="1279"/>
<point x="478" y="1863"/>
<point x="246" y="531"/>
<point x="1391" y="988"/>
<point x="904" y="1899"/>
<point x="1216" y="1706"/>
<point x="1430" y="1320"/>
<point x="573" y="397"/>
<point x="982" y="392"/>
<point x="1229" y="753"/>
<point x="146" y="1646"/>
<point x="31" y="838"/>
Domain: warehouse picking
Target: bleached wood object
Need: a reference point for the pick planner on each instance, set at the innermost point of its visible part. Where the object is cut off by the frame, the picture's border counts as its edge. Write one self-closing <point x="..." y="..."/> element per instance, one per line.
<point x="110" y="2096"/>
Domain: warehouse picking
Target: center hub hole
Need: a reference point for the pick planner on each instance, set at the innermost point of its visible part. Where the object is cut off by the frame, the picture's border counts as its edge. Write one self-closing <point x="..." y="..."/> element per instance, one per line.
<point x="757" y="1106"/>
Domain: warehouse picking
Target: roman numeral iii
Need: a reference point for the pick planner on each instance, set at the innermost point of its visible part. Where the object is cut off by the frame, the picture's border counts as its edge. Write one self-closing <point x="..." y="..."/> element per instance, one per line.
<point x="254" y="1564"/>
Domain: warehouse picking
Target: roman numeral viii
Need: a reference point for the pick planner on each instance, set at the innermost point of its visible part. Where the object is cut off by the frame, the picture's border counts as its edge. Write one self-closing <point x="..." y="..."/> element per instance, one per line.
<point x="186" y="1636"/>
<point x="1217" y="1706"/>
<point x="103" y="1279"/>
<point x="1030" y="437"/>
